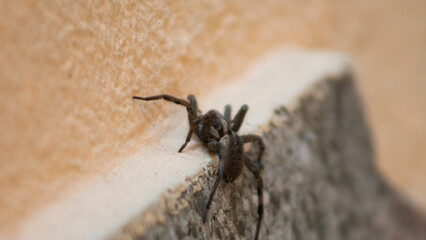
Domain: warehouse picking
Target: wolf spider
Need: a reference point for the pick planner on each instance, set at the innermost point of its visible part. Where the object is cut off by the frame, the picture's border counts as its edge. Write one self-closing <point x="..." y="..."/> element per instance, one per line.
<point x="219" y="133"/>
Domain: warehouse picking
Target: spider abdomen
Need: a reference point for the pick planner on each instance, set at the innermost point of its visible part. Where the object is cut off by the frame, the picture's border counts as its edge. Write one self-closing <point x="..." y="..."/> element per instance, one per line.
<point x="231" y="152"/>
<point x="232" y="172"/>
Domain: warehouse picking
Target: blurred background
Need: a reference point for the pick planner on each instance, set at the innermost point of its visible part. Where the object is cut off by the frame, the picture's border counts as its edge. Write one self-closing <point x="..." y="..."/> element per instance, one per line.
<point x="67" y="71"/>
<point x="389" y="47"/>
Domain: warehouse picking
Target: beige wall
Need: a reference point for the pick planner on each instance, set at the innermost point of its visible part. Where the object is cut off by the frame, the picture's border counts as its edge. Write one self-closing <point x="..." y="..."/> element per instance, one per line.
<point x="67" y="72"/>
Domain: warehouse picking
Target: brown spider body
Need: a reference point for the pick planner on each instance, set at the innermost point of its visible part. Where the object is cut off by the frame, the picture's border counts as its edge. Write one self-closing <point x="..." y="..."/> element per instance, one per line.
<point x="231" y="151"/>
<point x="219" y="133"/>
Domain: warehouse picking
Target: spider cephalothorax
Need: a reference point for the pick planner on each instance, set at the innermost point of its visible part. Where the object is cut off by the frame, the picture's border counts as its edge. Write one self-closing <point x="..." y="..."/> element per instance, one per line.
<point x="219" y="133"/>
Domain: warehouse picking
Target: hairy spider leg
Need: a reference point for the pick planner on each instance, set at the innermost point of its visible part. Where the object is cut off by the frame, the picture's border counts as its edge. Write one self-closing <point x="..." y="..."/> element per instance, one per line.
<point x="227" y="114"/>
<point x="193" y="102"/>
<point x="170" y="98"/>
<point x="194" y="107"/>
<point x="188" y="138"/>
<point x="189" y="107"/>
<point x="239" y="118"/>
<point x="256" y="139"/>
<point x="252" y="167"/>
<point x="216" y="184"/>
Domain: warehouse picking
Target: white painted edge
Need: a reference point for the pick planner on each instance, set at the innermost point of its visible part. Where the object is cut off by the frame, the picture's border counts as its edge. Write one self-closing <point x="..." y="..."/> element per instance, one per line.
<point x="101" y="207"/>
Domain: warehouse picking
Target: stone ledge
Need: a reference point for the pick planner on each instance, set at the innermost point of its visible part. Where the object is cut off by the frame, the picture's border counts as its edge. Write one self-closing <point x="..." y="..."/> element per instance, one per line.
<point x="320" y="179"/>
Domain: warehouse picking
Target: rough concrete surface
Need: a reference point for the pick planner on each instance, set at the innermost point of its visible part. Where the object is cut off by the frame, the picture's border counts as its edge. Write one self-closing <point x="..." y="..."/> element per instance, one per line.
<point x="319" y="176"/>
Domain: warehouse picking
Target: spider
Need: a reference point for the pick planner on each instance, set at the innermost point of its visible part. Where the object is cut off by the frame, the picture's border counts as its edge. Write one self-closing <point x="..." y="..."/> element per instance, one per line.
<point x="219" y="133"/>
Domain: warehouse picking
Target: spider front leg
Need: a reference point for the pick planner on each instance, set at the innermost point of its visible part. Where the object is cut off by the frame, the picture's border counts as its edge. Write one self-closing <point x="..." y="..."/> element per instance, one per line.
<point x="193" y="102"/>
<point x="191" y="108"/>
<point x="166" y="97"/>
<point x="191" y="119"/>
<point x="256" y="139"/>
<point x="188" y="137"/>
<point x="256" y="172"/>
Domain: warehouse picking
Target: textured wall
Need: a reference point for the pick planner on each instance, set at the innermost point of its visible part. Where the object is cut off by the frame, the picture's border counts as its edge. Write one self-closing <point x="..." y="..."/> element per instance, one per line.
<point x="67" y="71"/>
